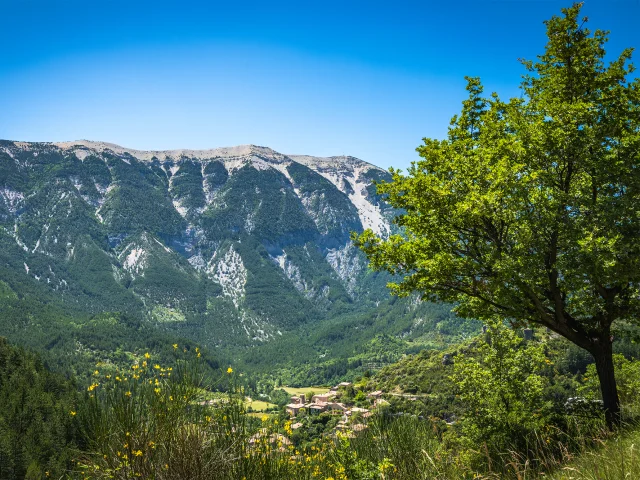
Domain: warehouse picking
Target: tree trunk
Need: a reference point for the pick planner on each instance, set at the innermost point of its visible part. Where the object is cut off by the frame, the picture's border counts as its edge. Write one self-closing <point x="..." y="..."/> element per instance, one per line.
<point x="604" y="366"/>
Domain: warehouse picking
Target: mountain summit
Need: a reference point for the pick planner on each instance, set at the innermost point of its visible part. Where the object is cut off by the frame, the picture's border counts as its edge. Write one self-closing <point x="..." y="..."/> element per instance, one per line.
<point x="349" y="174"/>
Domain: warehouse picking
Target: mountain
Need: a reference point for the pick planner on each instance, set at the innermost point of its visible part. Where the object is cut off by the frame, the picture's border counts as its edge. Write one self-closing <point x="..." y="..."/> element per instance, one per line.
<point x="232" y="246"/>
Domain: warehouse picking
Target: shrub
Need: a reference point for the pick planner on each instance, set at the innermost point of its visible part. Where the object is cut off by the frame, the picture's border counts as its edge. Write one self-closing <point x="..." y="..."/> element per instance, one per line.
<point x="502" y="389"/>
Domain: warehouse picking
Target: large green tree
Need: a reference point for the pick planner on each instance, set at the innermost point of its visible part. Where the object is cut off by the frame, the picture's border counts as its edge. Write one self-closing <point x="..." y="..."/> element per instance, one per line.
<point x="530" y="209"/>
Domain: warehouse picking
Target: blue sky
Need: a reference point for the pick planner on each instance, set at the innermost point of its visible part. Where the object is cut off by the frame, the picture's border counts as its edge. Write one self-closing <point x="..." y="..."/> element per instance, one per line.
<point x="368" y="79"/>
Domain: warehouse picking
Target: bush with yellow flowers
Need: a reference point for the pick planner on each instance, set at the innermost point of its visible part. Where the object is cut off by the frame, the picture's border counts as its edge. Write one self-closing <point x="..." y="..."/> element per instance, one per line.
<point x="149" y="421"/>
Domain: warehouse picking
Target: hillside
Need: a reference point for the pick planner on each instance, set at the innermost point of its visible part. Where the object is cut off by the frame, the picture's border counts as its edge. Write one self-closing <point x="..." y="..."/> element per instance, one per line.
<point x="232" y="248"/>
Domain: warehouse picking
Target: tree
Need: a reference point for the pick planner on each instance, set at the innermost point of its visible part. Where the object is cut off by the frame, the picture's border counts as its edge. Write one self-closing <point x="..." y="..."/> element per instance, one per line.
<point x="529" y="210"/>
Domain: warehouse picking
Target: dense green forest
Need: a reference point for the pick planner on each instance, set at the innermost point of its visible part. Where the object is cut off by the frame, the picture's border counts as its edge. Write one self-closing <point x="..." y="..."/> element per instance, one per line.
<point x="38" y="429"/>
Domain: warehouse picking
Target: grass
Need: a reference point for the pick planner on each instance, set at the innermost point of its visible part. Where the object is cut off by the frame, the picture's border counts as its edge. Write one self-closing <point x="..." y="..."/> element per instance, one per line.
<point x="617" y="458"/>
<point x="260" y="406"/>
<point x="305" y="390"/>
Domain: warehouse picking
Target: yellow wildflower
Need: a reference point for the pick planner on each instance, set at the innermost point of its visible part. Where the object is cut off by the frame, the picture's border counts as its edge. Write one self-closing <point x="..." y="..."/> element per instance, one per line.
<point x="72" y="413"/>
<point x="128" y="394"/>
<point x="175" y="346"/>
<point x="229" y="370"/>
<point x="147" y="356"/>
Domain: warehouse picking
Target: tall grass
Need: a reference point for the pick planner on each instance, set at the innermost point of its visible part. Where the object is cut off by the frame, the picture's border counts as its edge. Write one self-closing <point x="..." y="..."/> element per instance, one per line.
<point x="615" y="458"/>
<point x="396" y="448"/>
<point x="148" y="423"/>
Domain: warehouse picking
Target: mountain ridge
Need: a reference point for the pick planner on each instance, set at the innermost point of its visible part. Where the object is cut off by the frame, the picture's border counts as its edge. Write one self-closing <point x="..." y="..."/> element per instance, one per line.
<point x="336" y="169"/>
<point x="233" y="151"/>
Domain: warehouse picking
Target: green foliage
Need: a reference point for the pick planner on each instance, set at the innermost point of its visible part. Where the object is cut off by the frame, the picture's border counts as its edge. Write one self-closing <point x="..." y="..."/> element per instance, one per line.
<point x="38" y="430"/>
<point x="627" y="379"/>
<point x="146" y="420"/>
<point x="337" y="349"/>
<point x="266" y="290"/>
<point x="215" y="174"/>
<point x="141" y="422"/>
<point x="503" y="390"/>
<point x="92" y="268"/>
<point x="615" y="458"/>
<point x="166" y="278"/>
<point x="396" y="448"/>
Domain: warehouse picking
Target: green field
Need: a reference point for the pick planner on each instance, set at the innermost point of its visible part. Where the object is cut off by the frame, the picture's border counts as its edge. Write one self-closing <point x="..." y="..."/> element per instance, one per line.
<point x="259" y="405"/>
<point x="305" y="390"/>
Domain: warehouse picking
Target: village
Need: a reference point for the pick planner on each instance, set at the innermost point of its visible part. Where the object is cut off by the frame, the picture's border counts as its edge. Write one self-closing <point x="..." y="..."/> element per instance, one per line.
<point x="336" y="402"/>
<point x="333" y="412"/>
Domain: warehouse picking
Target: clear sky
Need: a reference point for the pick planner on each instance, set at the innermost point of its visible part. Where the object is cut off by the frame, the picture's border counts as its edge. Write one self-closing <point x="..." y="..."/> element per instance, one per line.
<point x="368" y="79"/>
